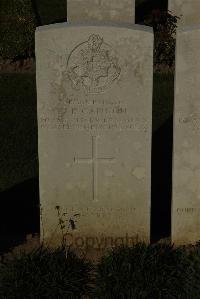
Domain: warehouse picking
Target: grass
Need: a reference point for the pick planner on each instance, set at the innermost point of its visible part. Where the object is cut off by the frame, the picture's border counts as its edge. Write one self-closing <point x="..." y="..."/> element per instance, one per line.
<point x="44" y="273"/>
<point x="142" y="272"/>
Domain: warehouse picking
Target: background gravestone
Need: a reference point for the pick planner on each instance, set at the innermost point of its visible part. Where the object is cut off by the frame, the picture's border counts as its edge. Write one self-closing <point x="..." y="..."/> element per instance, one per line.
<point x="101" y="10"/>
<point x="186" y="168"/>
<point x="188" y="11"/>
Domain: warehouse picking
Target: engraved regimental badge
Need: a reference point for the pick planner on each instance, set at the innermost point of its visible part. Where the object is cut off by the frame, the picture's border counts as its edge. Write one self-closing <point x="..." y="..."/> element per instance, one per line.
<point x="93" y="66"/>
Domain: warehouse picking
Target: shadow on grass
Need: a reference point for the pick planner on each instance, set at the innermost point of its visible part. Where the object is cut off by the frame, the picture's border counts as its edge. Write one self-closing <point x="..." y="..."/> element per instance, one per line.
<point x="19" y="213"/>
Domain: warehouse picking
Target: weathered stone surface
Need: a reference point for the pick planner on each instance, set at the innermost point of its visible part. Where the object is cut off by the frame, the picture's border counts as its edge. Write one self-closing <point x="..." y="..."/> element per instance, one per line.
<point x="120" y="11"/>
<point x="188" y="11"/>
<point x="94" y="86"/>
<point x="186" y="168"/>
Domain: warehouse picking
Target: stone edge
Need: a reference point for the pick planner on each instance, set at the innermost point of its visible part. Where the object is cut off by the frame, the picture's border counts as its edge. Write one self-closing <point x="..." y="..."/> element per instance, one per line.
<point x="95" y="24"/>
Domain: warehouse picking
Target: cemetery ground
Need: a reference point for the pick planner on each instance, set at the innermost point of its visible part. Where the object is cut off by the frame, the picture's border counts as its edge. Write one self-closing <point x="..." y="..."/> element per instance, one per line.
<point x="155" y="271"/>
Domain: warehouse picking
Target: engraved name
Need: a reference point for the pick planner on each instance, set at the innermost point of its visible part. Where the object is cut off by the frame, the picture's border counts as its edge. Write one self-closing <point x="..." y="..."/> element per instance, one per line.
<point x="187" y="210"/>
<point x="73" y="114"/>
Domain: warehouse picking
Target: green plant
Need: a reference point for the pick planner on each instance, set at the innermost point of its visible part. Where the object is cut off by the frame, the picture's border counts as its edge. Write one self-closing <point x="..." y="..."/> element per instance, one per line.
<point x="164" y="25"/>
<point x="144" y="272"/>
<point x="66" y="224"/>
<point x="17" y="29"/>
<point x="157" y="271"/>
<point x="45" y="273"/>
<point x="193" y="281"/>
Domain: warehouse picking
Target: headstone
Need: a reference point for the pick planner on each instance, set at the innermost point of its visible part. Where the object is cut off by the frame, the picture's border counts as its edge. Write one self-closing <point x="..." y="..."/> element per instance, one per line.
<point x="186" y="168"/>
<point x="119" y="11"/>
<point x="94" y="90"/>
<point x="188" y="11"/>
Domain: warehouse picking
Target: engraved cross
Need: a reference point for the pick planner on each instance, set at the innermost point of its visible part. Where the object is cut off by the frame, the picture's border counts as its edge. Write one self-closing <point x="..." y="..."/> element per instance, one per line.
<point x="94" y="161"/>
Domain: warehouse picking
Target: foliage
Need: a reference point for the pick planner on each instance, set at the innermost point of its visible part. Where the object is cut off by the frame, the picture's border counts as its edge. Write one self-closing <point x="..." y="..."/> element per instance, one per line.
<point x="142" y="272"/>
<point x="17" y="29"/>
<point x="157" y="271"/>
<point x="19" y="22"/>
<point x="164" y="25"/>
<point x="43" y="273"/>
<point x="193" y="282"/>
<point x="66" y="224"/>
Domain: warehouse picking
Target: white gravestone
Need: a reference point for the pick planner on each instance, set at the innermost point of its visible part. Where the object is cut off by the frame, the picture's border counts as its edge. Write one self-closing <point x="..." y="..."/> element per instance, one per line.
<point x="119" y="11"/>
<point x="94" y="90"/>
<point x="186" y="166"/>
<point x="187" y="10"/>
